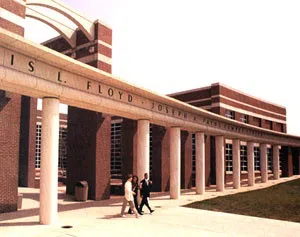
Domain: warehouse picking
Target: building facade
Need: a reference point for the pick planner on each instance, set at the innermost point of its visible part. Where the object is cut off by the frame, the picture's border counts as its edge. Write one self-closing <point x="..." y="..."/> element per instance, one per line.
<point x="246" y="110"/>
<point x="239" y="106"/>
<point x="114" y="128"/>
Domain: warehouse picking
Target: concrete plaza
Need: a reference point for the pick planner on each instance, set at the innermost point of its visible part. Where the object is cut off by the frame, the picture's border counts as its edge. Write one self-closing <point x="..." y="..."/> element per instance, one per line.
<point x="101" y="218"/>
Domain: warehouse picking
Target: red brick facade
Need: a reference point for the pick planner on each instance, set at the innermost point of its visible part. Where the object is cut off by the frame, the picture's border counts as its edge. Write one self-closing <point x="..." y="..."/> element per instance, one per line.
<point x="17" y="10"/>
<point x="217" y="97"/>
<point x="88" y="131"/>
<point x="16" y="140"/>
<point x="87" y="51"/>
<point x="10" y="108"/>
<point x="88" y="152"/>
<point x="27" y="142"/>
<point x="186" y="160"/>
<point x="160" y="158"/>
<point x="129" y="136"/>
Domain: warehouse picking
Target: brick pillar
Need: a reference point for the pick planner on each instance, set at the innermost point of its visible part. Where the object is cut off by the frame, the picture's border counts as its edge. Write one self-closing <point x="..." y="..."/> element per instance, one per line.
<point x="129" y="136"/>
<point x="296" y="156"/>
<point x="290" y="163"/>
<point x="89" y="151"/>
<point x="27" y="142"/>
<point x="207" y="160"/>
<point x="212" y="146"/>
<point x="97" y="54"/>
<point x="160" y="159"/>
<point x="298" y="160"/>
<point x="287" y="161"/>
<point x="10" y="107"/>
<point x="186" y="160"/>
<point x="11" y="19"/>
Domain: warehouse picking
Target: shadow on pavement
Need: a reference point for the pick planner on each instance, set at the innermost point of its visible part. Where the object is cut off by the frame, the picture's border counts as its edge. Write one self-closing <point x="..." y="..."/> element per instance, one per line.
<point x="27" y="223"/>
<point x="107" y="217"/>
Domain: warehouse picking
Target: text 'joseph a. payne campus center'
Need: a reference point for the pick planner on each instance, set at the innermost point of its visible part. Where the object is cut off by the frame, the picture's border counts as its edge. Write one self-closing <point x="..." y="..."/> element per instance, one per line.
<point x="210" y="136"/>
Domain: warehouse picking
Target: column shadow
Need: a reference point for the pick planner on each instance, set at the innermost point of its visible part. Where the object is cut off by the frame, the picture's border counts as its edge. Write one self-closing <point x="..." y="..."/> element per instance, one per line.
<point x="27" y="223"/>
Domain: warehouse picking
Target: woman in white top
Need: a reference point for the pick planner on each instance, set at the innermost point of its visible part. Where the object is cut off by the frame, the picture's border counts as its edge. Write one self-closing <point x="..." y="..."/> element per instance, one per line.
<point x="128" y="197"/>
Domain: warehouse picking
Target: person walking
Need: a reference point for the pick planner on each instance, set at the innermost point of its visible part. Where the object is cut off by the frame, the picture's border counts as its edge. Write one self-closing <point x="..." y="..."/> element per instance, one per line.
<point x="135" y="189"/>
<point x="146" y="185"/>
<point x="128" y="197"/>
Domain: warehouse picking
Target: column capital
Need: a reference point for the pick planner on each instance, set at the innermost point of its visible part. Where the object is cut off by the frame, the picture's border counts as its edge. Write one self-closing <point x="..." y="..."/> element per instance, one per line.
<point x="236" y="139"/>
<point x="175" y="127"/>
<point x="50" y="97"/>
<point x="143" y="119"/>
<point x="272" y="144"/>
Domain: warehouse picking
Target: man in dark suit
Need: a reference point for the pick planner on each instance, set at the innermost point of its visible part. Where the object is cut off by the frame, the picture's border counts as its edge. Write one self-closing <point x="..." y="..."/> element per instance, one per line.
<point x="146" y="185"/>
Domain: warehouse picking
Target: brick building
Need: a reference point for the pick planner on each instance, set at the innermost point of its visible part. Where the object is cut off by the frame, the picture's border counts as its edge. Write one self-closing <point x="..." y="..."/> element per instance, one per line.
<point x="108" y="145"/>
<point x="245" y="108"/>
<point x="235" y="105"/>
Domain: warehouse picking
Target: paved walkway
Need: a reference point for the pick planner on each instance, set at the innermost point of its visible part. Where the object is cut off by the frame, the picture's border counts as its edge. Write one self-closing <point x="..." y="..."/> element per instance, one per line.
<point x="102" y="218"/>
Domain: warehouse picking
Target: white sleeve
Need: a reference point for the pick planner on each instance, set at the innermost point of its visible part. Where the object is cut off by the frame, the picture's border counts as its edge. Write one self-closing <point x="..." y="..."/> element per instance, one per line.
<point x="127" y="188"/>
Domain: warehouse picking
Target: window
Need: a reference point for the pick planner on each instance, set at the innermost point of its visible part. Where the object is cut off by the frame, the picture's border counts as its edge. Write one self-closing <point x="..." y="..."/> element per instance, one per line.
<point x="38" y="145"/>
<point x="62" y="159"/>
<point x="62" y="152"/>
<point x="256" y="158"/>
<point x="115" y="149"/>
<point x="193" y="159"/>
<point x="243" y="155"/>
<point x="269" y="124"/>
<point x="257" y="121"/>
<point x="150" y="150"/>
<point x="270" y="158"/>
<point x="228" y="156"/>
<point x="229" y="114"/>
<point x="282" y="127"/>
<point x="244" y="118"/>
<point x="281" y="158"/>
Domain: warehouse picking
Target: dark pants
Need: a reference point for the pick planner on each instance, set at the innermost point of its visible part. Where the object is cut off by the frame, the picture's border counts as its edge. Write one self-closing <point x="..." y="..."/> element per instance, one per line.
<point x="145" y="202"/>
<point x="135" y="204"/>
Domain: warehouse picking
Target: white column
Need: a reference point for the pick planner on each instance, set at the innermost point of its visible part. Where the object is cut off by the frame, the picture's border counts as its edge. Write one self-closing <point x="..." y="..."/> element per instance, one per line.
<point x="220" y="163"/>
<point x="49" y="161"/>
<point x="142" y="148"/>
<point x="250" y="162"/>
<point x="276" y="166"/>
<point x="236" y="156"/>
<point x="263" y="163"/>
<point x="200" y="163"/>
<point x="175" y="163"/>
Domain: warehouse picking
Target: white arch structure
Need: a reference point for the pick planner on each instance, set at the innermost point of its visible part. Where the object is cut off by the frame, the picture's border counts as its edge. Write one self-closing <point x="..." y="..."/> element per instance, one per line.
<point x="84" y="24"/>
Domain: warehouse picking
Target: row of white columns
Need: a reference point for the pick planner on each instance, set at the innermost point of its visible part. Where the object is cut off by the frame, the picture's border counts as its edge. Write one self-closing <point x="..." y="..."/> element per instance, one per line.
<point x="237" y="163"/>
<point x="49" y="160"/>
<point x="143" y="160"/>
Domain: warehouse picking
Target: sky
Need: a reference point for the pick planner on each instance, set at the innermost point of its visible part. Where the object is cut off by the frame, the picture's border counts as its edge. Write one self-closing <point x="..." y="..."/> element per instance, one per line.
<point x="174" y="45"/>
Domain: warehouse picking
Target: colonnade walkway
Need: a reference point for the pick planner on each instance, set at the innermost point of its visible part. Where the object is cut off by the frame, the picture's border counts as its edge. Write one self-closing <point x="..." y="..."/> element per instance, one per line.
<point x="101" y="218"/>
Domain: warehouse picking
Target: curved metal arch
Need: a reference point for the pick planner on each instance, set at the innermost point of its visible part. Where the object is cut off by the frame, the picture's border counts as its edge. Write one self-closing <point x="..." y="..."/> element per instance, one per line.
<point x="87" y="26"/>
<point x="68" y="33"/>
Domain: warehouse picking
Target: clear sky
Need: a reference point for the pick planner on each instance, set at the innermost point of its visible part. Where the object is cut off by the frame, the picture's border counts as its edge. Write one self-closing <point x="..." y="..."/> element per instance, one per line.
<point x="174" y="45"/>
